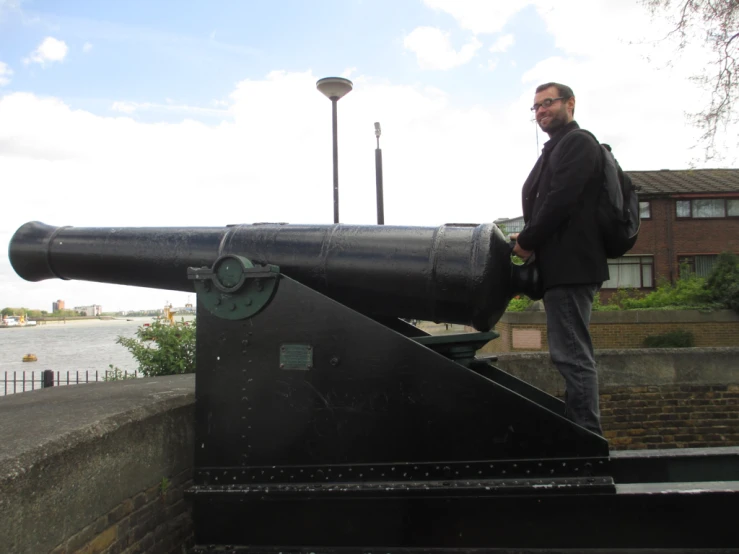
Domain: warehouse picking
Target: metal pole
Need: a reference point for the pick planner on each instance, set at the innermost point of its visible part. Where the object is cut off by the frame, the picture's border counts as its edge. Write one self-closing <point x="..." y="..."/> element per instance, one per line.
<point x="335" y="88"/>
<point x="336" y="161"/>
<point x="378" y="179"/>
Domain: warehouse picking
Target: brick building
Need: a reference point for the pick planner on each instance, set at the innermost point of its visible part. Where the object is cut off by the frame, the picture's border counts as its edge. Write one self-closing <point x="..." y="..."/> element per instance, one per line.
<point x="688" y="218"/>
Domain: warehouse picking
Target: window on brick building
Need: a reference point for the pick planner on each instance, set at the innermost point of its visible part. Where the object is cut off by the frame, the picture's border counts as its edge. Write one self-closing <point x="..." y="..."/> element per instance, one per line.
<point x="699" y="265"/>
<point x="645" y="210"/>
<point x="707" y="208"/>
<point x="631" y="272"/>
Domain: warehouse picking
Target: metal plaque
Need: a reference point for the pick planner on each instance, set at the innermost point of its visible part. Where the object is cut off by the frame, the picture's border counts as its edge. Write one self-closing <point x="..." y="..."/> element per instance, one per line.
<point x="296" y="356"/>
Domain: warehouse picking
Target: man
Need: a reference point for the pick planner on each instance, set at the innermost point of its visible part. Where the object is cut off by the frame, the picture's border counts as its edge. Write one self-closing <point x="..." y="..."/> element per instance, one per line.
<point x="559" y="208"/>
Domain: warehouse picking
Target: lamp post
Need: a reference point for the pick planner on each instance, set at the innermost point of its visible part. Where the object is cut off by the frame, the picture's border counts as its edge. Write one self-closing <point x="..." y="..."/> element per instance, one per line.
<point x="335" y="88"/>
<point x="378" y="177"/>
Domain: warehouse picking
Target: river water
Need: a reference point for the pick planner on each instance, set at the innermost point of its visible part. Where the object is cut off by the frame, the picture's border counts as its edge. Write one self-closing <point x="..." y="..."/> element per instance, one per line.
<point x="87" y="345"/>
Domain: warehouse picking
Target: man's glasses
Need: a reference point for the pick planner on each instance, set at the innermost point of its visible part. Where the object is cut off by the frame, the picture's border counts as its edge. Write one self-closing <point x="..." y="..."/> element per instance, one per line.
<point x="546" y="103"/>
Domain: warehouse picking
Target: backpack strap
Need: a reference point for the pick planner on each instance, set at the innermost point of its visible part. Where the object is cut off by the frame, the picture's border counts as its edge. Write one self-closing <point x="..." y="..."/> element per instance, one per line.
<point x="578" y="131"/>
<point x="585" y="132"/>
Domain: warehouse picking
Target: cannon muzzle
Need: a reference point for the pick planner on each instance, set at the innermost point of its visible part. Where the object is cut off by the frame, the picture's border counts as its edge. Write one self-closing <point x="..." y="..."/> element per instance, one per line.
<point x="452" y="273"/>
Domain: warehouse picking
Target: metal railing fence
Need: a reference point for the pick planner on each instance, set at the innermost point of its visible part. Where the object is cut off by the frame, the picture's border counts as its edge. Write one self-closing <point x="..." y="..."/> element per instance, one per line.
<point x="24" y="381"/>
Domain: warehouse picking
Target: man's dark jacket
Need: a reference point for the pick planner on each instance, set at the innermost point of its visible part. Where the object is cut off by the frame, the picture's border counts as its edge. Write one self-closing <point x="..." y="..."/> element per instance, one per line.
<point x="560" y="199"/>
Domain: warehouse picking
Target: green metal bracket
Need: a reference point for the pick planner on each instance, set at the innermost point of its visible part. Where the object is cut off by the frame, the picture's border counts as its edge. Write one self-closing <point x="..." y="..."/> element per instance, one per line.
<point x="234" y="288"/>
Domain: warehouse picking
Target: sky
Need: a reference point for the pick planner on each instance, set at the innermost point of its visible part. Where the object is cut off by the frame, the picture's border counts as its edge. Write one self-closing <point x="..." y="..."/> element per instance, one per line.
<point x="194" y="113"/>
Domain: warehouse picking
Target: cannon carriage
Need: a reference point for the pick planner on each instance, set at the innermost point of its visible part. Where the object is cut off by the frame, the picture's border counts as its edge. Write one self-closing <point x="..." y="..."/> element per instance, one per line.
<point x="326" y="423"/>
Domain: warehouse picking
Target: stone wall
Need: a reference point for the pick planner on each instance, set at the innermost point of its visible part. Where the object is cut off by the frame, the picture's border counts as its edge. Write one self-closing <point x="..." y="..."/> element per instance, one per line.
<point x="101" y="468"/>
<point x="97" y="468"/>
<point x="654" y="398"/>
<point x="157" y="519"/>
<point x="527" y="332"/>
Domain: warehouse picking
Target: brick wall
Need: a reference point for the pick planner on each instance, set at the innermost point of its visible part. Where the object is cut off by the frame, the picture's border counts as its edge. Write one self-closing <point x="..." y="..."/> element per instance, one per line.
<point x="154" y="521"/>
<point x="651" y="417"/>
<point x="624" y="329"/>
<point x="653" y="398"/>
<point x="82" y="468"/>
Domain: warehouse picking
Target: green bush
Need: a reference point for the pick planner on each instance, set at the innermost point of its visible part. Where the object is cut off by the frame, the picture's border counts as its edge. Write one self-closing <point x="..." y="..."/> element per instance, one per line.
<point x="723" y="283"/>
<point x="719" y="290"/>
<point x="519" y="304"/>
<point x="598" y="306"/>
<point x="674" y="339"/>
<point x="688" y="292"/>
<point x="163" y="349"/>
<point x="118" y="374"/>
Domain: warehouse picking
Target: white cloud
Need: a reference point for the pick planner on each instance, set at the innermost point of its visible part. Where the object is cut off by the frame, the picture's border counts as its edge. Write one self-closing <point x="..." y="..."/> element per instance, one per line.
<point x="492" y="65"/>
<point x="266" y="156"/>
<point x="434" y="50"/>
<point x="621" y="73"/>
<point x="128" y="107"/>
<point x="87" y="47"/>
<point x="50" y="50"/>
<point x="480" y="16"/>
<point x="124" y="107"/>
<point x="503" y="43"/>
<point x="5" y="74"/>
<point x="267" y="159"/>
<point x="8" y="6"/>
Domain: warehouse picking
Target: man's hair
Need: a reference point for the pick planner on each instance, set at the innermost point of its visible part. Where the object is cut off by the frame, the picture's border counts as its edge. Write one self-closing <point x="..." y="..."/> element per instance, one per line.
<point x="562" y="90"/>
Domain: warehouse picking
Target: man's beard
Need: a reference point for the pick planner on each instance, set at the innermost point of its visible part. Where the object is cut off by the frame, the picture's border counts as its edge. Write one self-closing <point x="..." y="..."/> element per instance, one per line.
<point x="557" y="121"/>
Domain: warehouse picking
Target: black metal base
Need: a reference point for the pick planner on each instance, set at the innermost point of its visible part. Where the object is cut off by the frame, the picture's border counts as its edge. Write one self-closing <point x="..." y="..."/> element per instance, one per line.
<point x="322" y="430"/>
<point x="656" y="520"/>
<point x="229" y="549"/>
<point x="217" y="549"/>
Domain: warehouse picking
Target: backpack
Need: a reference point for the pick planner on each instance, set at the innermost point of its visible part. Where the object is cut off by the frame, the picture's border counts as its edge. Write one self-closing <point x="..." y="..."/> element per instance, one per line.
<point x="618" y="206"/>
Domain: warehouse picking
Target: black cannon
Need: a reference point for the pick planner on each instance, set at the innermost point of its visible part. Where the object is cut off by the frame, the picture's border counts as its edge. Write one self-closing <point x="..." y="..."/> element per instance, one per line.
<point x="325" y="423"/>
<point x="453" y="273"/>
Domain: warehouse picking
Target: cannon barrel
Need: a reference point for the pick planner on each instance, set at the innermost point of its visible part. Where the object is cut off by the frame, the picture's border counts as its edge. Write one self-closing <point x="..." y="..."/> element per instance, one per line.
<point x="453" y="273"/>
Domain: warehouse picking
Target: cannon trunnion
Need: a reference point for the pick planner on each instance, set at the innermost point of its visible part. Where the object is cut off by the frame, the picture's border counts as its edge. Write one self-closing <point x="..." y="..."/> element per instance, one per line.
<point x="326" y="424"/>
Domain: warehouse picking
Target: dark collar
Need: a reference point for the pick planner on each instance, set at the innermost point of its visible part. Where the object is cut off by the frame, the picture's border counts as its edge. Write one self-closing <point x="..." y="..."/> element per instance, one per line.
<point x="552" y="142"/>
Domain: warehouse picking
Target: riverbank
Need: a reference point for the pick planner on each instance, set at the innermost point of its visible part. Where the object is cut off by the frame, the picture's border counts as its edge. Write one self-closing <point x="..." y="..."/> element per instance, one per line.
<point x="75" y="319"/>
<point x="103" y="318"/>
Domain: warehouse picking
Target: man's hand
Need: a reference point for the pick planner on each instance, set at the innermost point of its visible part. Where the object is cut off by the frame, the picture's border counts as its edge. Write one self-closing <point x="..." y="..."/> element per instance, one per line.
<point x="518" y="251"/>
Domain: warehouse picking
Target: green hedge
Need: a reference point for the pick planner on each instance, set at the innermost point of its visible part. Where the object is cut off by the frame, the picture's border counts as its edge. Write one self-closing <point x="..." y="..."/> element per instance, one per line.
<point x="719" y="290"/>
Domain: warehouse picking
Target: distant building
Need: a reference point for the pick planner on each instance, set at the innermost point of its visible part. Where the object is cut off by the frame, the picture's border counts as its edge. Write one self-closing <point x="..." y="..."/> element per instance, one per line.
<point x="512" y="225"/>
<point x="186" y="309"/>
<point x="57" y="306"/>
<point x="91" y="311"/>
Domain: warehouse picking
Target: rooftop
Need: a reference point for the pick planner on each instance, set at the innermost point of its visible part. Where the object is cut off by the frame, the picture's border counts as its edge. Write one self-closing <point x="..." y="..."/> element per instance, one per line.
<point x="686" y="181"/>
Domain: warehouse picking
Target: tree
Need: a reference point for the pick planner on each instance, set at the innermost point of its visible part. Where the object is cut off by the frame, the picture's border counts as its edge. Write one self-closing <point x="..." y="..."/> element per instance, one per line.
<point x="163" y="349"/>
<point x="723" y="282"/>
<point x="717" y="22"/>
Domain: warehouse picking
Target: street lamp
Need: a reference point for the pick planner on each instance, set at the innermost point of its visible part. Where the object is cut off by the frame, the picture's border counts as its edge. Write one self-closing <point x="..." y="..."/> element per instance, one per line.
<point x="335" y="88"/>
<point x="378" y="177"/>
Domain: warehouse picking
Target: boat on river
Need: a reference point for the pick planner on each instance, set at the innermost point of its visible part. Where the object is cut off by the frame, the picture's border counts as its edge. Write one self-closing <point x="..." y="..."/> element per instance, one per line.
<point x="16" y="321"/>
